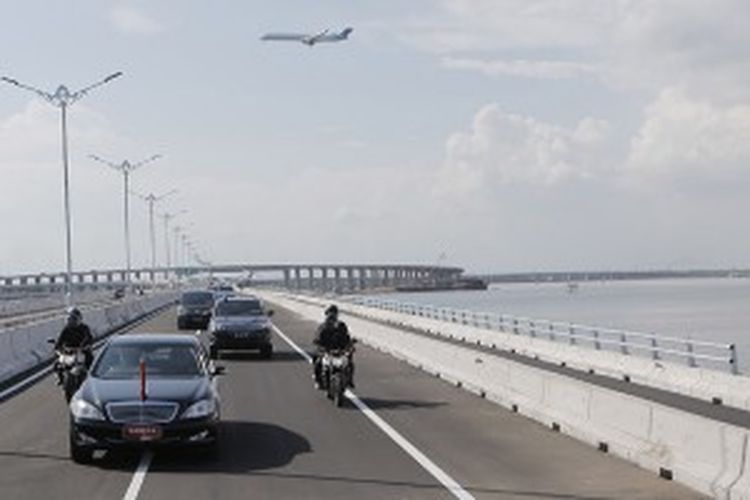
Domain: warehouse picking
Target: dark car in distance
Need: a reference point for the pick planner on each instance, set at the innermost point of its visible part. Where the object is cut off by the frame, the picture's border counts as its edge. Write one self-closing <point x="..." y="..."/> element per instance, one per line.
<point x="147" y="390"/>
<point x="240" y="323"/>
<point x="195" y="309"/>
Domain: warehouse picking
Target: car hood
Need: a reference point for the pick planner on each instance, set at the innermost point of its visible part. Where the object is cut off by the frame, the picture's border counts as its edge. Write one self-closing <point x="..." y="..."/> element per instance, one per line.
<point x="183" y="391"/>
<point x="242" y="321"/>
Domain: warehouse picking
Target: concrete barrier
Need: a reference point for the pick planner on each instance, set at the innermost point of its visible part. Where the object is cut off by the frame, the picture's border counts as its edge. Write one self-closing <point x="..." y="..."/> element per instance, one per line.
<point x="25" y="347"/>
<point x="706" y="455"/>
<point x="706" y="384"/>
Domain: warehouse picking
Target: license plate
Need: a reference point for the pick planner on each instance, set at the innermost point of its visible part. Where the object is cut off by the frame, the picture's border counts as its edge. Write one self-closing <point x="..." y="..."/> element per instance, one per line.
<point x="140" y="432"/>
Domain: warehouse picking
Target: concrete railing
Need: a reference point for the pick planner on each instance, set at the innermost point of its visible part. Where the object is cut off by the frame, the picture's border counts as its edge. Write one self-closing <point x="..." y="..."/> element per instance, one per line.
<point x="707" y="455"/>
<point x="683" y="350"/>
<point x="26" y="347"/>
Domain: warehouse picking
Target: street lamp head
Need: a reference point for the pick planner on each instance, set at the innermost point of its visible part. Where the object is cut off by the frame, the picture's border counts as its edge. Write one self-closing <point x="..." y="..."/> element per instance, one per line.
<point x="10" y="80"/>
<point x="112" y="76"/>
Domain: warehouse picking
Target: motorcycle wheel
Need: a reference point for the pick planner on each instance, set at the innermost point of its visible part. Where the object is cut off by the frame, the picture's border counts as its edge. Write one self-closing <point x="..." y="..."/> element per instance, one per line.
<point x="337" y="390"/>
<point x="69" y="387"/>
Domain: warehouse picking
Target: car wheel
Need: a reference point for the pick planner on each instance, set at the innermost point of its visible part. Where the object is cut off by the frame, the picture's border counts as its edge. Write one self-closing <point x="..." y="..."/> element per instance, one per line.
<point x="266" y="352"/>
<point x="180" y="325"/>
<point x="79" y="454"/>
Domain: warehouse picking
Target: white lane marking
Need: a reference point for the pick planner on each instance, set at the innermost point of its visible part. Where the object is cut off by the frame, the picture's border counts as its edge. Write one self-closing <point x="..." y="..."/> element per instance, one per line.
<point x="139" y="476"/>
<point x="294" y="346"/>
<point x="26" y="382"/>
<point x="450" y="484"/>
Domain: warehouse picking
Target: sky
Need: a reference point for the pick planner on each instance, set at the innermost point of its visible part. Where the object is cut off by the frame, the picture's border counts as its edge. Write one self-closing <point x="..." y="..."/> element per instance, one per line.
<point x="495" y="135"/>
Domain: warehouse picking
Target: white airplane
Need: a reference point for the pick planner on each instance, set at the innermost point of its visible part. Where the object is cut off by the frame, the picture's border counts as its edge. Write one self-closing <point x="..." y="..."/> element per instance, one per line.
<point x="323" y="36"/>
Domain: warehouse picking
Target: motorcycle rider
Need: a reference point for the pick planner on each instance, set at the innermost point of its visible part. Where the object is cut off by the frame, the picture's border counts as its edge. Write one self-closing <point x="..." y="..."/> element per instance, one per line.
<point x="76" y="334"/>
<point x="332" y="334"/>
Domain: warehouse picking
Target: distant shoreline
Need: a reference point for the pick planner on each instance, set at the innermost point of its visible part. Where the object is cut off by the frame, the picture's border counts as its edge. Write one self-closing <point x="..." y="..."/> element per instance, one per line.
<point x="582" y="276"/>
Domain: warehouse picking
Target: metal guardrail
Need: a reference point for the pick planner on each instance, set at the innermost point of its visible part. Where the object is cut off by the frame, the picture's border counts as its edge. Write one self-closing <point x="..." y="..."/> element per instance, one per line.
<point x="692" y="352"/>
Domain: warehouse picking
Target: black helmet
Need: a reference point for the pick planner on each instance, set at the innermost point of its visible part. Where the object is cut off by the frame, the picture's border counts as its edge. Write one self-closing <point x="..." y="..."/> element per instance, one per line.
<point x="332" y="310"/>
<point x="75" y="314"/>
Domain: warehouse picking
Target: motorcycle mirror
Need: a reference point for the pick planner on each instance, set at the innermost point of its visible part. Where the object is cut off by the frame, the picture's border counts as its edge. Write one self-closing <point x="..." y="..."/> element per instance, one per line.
<point x="218" y="370"/>
<point x="269" y="313"/>
<point x="50" y="341"/>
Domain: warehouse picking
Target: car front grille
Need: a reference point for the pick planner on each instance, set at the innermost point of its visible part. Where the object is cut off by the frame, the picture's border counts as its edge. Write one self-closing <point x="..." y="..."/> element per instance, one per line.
<point x="137" y="411"/>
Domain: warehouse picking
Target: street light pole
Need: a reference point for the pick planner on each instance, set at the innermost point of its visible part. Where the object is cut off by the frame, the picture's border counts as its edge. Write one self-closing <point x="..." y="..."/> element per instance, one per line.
<point x="126" y="168"/>
<point x="152" y="199"/>
<point x="167" y="252"/>
<point x="62" y="98"/>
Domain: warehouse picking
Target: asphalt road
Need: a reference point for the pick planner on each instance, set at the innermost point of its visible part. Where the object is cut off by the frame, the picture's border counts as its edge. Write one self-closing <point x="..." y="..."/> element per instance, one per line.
<point x="283" y="439"/>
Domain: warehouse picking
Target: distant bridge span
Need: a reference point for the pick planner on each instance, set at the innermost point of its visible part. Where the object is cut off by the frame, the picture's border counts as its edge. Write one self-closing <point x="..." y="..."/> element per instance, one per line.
<point x="341" y="277"/>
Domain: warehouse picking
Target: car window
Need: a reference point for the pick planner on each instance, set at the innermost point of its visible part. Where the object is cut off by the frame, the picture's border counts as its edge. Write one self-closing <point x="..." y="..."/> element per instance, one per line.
<point x="161" y="360"/>
<point x="239" y="308"/>
<point x="197" y="299"/>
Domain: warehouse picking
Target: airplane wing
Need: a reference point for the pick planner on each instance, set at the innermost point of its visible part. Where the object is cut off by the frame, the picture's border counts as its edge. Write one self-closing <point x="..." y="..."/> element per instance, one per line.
<point x="295" y="37"/>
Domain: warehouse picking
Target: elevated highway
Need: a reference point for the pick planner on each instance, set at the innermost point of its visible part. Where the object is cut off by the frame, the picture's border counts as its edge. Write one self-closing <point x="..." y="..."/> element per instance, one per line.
<point x="402" y="434"/>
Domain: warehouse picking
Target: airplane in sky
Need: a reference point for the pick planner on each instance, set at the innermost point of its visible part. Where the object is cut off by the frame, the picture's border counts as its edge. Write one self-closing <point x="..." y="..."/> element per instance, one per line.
<point x="307" y="39"/>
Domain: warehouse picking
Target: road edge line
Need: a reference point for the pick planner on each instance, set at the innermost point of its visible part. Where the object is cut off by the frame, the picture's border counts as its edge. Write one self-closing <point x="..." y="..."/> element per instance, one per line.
<point x="428" y="465"/>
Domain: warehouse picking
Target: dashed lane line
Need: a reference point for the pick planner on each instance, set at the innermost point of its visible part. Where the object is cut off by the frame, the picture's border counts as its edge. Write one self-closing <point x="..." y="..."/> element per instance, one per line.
<point x="447" y="481"/>
<point x="140" y="474"/>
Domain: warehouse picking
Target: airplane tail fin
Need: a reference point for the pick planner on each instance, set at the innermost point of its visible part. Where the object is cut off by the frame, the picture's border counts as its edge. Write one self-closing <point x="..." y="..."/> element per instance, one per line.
<point x="346" y="32"/>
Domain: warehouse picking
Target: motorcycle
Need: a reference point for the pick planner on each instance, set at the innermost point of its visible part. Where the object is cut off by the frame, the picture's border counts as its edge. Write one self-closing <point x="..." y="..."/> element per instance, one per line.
<point x="71" y="364"/>
<point x="336" y="373"/>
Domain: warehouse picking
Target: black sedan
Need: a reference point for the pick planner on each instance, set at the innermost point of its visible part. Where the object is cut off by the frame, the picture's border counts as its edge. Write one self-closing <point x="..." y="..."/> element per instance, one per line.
<point x="146" y="390"/>
<point x="240" y="323"/>
<point x="195" y="309"/>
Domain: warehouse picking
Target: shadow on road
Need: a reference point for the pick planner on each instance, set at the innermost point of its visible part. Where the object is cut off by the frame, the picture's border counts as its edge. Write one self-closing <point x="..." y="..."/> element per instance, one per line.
<point x="245" y="447"/>
<point x="278" y="356"/>
<point x="374" y="481"/>
<point x="397" y="404"/>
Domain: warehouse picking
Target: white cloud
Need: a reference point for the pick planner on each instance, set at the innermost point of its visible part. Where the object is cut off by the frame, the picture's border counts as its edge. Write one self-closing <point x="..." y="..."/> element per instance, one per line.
<point x="553" y="70"/>
<point x="689" y="139"/>
<point x="132" y="21"/>
<point x="503" y="148"/>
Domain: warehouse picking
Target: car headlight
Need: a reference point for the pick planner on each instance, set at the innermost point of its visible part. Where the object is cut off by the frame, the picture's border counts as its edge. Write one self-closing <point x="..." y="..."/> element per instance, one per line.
<point x="201" y="409"/>
<point x="82" y="409"/>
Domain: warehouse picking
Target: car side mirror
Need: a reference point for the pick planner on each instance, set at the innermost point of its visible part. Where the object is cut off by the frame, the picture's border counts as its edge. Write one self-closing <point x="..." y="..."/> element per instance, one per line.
<point x="269" y="313"/>
<point x="51" y="341"/>
<point x="218" y="370"/>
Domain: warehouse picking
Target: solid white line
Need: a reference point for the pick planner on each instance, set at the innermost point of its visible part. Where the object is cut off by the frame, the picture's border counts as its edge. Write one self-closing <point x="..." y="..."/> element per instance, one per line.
<point x="25" y="382"/>
<point x="294" y="346"/>
<point x="450" y="484"/>
<point x="139" y="476"/>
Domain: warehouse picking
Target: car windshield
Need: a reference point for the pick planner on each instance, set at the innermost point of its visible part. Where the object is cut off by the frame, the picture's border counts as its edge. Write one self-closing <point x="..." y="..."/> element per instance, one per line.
<point x="198" y="299"/>
<point x="161" y="360"/>
<point x="239" y="308"/>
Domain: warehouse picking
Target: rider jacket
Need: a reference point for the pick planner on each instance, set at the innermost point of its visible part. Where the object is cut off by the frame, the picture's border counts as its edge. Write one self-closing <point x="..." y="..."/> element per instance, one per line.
<point x="75" y="336"/>
<point x="332" y="335"/>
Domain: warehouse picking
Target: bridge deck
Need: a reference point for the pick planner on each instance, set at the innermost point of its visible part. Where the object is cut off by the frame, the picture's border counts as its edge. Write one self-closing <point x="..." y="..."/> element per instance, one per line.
<point x="285" y="440"/>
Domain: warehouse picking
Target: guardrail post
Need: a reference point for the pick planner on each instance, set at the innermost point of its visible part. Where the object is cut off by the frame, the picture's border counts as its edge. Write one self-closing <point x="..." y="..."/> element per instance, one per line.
<point x="691" y="359"/>
<point x="733" y="359"/>
<point x="654" y="348"/>
<point x="597" y="344"/>
<point x="487" y="324"/>
<point x="532" y="329"/>
<point x="572" y="335"/>
<point x="552" y="332"/>
<point x="515" y="326"/>
<point x="624" y="343"/>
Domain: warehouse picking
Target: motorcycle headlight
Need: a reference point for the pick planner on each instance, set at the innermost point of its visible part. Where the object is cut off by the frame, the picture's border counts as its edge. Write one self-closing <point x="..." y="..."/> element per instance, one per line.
<point x="201" y="409"/>
<point x="84" y="410"/>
